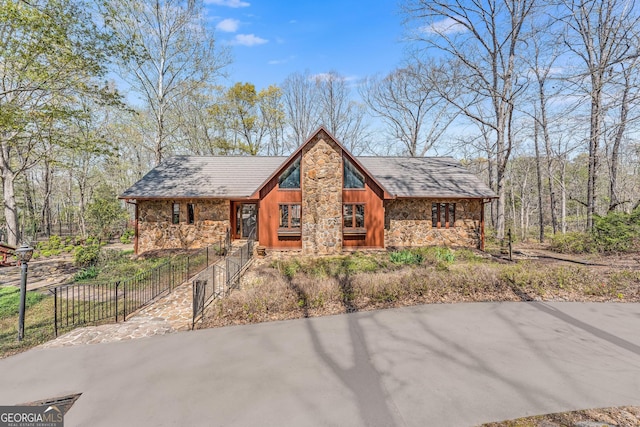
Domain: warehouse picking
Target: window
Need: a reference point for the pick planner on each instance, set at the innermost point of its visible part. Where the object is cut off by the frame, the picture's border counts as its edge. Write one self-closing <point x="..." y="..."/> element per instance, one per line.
<point x="290" y="217"/>
<point x="175" y="218"/>
<point x="443" y="215"/>
<point x="352" y="176"/>
<point x="191" y="213"/>
<point x="290" y="178"/>
<point x="353" y="216"/>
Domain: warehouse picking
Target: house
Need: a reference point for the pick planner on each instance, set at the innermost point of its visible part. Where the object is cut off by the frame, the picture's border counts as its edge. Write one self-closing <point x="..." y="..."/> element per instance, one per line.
<point x="320" y="200"/>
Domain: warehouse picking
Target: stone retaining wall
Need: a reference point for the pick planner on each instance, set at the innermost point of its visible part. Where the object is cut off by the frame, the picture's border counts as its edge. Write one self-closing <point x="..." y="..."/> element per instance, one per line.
<point x="408" y="223"/>
<point x="156" y="231"/>
<point x="321" y="181"/>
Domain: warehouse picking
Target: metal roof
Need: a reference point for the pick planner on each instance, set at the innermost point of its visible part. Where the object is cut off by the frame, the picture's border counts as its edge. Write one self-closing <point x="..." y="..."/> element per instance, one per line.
<point x="232" y="177"/>
<point x="225" y="177"/>
<point x="428" y="177"/>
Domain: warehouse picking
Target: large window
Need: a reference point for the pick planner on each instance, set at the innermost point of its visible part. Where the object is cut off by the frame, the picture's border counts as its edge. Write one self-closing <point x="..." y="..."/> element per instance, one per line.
<point x="353" y="216"/>
<point x="290" y="217"/>
<point x="352" y="176"/>
<point x="175" y="217"/>
<point x="443" y="215"/>
<point x="290" y="178"/>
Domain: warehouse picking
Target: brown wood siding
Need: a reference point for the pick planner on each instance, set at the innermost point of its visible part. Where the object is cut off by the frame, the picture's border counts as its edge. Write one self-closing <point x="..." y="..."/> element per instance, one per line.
<point x="373" y="217"/>
<point x="269" y="218"/>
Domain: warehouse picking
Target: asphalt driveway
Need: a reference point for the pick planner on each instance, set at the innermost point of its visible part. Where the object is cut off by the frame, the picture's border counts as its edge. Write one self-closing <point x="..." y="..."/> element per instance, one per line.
<point x="445" y="365"/>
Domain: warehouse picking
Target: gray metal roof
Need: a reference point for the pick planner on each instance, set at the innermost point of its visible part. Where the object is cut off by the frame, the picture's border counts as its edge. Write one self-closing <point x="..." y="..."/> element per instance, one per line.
<point x="240" y="177"/>
<point x="429" y="177"/>
<point x="204" y="177"/>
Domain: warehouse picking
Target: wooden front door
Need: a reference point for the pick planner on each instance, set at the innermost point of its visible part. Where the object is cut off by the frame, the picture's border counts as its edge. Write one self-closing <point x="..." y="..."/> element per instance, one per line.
<point x="246" y="220"/>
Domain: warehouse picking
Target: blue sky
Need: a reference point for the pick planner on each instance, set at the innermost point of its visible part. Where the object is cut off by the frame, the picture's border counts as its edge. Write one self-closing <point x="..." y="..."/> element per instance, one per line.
<point x="272" y="39"/>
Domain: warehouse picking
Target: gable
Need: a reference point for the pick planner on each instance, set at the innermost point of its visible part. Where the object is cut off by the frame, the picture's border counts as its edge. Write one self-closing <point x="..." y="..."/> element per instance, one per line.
<point x="324" y="135"/>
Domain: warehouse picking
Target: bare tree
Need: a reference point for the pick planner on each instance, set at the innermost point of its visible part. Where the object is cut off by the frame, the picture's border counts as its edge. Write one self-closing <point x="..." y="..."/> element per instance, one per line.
<point x="627" y="98"/>
<point x="543" y="55"/>
<point x="342" y="116"/>
<point x="485" y="38"/>
<point x="171" y="55"/>
<point x="408" y="103"/>
<point x="301" y="110"/>
<point x="602" y="33"/>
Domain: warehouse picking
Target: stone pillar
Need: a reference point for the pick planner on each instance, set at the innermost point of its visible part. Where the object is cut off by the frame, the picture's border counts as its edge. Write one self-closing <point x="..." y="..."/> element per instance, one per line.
<point x="321" y="196"/>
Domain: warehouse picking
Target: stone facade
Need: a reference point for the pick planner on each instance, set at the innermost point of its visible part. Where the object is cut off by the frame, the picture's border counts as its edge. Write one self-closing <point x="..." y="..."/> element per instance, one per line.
<point x="321" y="182"/>
<point x="408" y="223"/>
<point x="156" y="230"/>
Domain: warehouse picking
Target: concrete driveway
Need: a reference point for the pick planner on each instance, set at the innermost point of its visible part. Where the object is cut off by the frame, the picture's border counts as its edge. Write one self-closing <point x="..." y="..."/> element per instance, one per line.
<point x="444" y="365"/>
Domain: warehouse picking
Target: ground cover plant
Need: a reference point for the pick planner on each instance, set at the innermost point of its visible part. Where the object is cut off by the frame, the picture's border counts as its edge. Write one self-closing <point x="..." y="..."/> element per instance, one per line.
<point x="303" y="287"/>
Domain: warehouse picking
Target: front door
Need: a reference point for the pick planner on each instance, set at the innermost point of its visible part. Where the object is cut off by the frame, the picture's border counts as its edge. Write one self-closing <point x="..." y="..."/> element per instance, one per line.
<point x="246" y="215"/>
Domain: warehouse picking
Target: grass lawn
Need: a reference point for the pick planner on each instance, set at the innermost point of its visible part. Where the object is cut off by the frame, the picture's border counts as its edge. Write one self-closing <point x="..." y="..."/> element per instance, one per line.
<point x="38" y="326"/>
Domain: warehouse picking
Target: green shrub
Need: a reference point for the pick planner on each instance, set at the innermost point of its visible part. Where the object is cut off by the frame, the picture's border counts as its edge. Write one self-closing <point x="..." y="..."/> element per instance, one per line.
<point x="88" y="273"/>
<point x="55" y="242"/>
<point x="614" y="232"/>
<point x="617" y="231"/>
<point x="85" y="256"/>
<point x="68" y="248"/>
<point x="576" y="242"/>
<point x="127" y="236"/>
<point x="406" y="257"/>
<point x="46" y="253"/>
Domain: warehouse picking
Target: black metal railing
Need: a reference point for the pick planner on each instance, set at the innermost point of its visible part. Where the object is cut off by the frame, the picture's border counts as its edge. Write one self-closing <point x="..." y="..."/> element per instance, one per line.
<point x="82" y="304"/>
<point x="218" y="280"/>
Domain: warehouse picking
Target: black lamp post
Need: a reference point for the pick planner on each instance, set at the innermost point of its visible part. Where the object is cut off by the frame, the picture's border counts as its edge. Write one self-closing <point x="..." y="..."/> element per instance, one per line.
<point x="24" y="253"/>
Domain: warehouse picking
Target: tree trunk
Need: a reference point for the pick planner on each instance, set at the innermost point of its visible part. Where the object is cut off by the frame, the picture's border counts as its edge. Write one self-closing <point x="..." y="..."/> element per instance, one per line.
<point x="30" y="197"/>
<point x="615" y="150"/>
<point x="10" y="209"/>
<point x="549" y="155"/>
<point x="8" y="191"/>
<point x="539" y="173"/>
<point x="594" y="138"/>
<point x="563" y="189"/>
<point x="500" y="207"/>
<point x="46" y="202"/>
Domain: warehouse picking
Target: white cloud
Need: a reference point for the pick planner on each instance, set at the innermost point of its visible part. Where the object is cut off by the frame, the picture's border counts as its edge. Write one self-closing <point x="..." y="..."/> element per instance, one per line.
<point x="228" y="3"/>
<point x="248" y="40"/>
<point x="281" y="61"/>
<point x="228" y="25"/>
<point x="445" y="26"/>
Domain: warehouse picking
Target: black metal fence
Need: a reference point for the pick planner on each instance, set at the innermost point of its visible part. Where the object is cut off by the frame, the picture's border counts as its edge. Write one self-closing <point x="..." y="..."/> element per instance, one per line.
<point x="218" y="280"/>
<point x="81" y="304"/>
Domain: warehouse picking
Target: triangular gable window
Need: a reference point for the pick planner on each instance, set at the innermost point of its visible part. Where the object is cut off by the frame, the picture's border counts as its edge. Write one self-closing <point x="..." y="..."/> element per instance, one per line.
<point x="352" y="176"/>
<point x="290" y="178"/>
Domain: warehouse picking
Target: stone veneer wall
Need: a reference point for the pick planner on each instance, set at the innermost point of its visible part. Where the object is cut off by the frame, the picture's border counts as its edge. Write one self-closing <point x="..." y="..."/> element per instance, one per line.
<point x="156" y="231"/>
<point x="408" y="223"/>
<point x="321" y="181"/>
